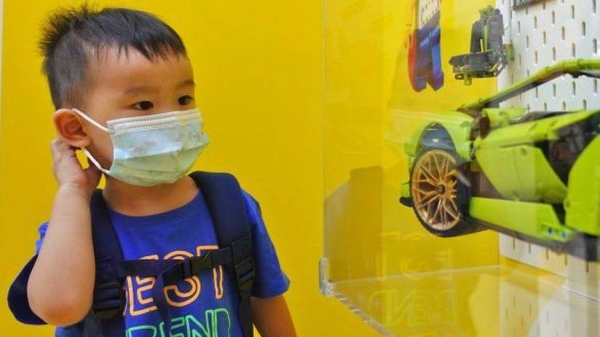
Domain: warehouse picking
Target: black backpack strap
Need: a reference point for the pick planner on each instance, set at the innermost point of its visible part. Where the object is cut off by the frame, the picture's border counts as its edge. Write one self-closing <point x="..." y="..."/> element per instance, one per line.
<point x="109" y="294"/>
<point x="228" y="211"/>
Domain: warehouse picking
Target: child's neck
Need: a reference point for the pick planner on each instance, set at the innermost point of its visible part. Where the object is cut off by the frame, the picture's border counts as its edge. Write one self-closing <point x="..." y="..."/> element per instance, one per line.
<point x="139" y="201"/>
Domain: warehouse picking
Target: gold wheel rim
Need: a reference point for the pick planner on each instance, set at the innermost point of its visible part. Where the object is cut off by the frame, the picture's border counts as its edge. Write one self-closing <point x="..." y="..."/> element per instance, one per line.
<point x="433" y="188"/>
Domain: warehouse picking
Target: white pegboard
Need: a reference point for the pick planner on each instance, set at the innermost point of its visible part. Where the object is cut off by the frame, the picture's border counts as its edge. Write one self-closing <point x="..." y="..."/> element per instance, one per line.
<point x="541" y="309"/>
<point x="543" y="34"/>
<point x="573" y="309"/>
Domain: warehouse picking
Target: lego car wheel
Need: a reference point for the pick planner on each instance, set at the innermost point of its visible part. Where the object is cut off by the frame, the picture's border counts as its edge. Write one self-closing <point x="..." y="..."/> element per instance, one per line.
<point x="439" y="194"/>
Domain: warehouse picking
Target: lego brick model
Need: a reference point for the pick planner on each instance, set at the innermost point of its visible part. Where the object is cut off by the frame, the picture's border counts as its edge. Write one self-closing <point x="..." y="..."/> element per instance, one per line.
<point x="488" y="54"/>
<point x="532" y="175"/>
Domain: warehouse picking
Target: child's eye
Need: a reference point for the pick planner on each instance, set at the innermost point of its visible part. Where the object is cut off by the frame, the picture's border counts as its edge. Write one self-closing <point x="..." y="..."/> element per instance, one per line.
<point x="143" y="105"/>
<point x="185" y="100"/>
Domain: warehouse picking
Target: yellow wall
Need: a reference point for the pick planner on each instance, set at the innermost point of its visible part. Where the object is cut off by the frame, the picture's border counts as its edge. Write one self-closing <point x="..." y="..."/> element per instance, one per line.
<point x="259" y="69"/>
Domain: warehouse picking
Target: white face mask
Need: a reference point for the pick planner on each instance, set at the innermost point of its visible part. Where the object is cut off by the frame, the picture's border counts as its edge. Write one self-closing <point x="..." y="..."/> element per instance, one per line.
<point x="154" y="149"/>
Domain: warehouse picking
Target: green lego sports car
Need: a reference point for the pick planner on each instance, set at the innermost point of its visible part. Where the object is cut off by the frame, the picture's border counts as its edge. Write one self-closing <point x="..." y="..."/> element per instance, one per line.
<point x="532" y="175"/>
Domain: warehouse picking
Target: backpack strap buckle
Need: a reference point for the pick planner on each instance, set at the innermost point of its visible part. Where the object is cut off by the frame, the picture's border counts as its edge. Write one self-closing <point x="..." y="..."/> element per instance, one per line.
<point x="243" y="263"/>
<point x="109" y="300"/>
<point x="244" y="273"/>
<point x="192" y="266"/>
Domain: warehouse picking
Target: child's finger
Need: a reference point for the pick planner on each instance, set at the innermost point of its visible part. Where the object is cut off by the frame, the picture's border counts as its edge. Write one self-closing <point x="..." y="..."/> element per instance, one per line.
<point x="59" y="145"/>
<point x="55" y="148"/>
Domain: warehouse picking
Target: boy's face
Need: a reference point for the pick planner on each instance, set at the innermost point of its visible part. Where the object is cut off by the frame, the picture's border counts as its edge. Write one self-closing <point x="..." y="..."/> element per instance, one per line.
<point x="128" y="85"/>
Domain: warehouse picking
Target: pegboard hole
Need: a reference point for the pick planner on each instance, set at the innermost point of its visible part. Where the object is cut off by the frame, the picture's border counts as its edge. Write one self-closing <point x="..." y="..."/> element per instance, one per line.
<point x="544" y="38"/>
<point x="573" y="50"/>
<point x="594" y="6"/>
<point x="554" y="54"/>
<point x="520" y="62"/>
<point x="583" y="29"/>
<point x="564" y="107"/>
<point x="536" y="57"/>
<point x="546" y="109"/>
<point x="573" y="12"/>
<point x="535" y="22"/>
<point x="595" y="43"/>
<point x="519" y="27"/>
<point x="563" y="33"/>
<point x="585" y="104"/>
<point x="527" y="41"/>
<point x="553" y="17"/>
<point x="595" y="86"/>
<point x="573" y="88"/>
<point x="554" y="90"/>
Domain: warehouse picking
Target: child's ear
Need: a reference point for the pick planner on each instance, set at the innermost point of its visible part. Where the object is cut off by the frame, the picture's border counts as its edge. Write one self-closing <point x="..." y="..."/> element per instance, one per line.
<point x="70" y="128"/>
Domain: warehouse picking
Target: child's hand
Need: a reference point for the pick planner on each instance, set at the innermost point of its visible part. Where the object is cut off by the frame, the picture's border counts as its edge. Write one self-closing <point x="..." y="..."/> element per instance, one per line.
<point x="69" y="172"/>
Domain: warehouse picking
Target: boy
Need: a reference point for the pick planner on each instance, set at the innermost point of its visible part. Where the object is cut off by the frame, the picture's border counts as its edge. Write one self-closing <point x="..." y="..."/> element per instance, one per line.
<point x="123" y="88"/>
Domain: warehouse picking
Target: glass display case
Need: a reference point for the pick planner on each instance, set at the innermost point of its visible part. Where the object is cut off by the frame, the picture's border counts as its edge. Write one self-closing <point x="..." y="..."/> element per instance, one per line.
<point x="462" y="165"/>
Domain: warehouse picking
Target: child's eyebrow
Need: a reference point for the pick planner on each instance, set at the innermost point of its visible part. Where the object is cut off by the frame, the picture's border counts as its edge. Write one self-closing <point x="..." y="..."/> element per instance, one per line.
<point x="137" y="89"/>
<point x="187" y="83"/>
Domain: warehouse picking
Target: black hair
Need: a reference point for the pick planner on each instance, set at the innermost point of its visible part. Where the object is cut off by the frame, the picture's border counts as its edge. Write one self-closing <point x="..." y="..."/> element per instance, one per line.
<point x="71" y="37"/>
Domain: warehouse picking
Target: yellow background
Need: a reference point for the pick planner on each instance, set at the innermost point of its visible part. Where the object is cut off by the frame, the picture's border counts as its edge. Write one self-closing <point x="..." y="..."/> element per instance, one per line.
<point x="258" y="65"/>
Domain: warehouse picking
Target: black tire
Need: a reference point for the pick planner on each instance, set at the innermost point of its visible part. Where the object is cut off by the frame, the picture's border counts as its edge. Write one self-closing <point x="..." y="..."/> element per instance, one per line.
<point x="440" y="192"/>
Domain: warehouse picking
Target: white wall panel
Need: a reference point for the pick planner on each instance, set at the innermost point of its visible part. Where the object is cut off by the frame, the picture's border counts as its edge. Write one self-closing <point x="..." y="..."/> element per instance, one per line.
<point x="543" y="34"/>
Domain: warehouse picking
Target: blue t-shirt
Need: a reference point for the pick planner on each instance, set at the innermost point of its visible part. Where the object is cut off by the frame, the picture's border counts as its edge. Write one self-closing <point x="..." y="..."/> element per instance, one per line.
<point x="204" y="305"/>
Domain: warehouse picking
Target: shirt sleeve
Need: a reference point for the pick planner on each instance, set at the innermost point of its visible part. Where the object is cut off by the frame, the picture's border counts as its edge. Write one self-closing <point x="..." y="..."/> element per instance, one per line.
<point x="38" y="242"/>
<point x="270" y="280"/>
<point x="17" y="294"/>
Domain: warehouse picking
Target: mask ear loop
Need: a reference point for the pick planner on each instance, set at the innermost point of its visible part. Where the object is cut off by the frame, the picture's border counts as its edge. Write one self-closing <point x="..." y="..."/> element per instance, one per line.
<point x="89" y="119"/>
<point x="94" y="161"/>
<point x="87" y="153"/>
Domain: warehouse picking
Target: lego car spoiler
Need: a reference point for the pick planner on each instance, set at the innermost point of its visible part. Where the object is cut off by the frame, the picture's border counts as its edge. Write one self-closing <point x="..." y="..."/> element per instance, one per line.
<point x="575" y="67"/>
